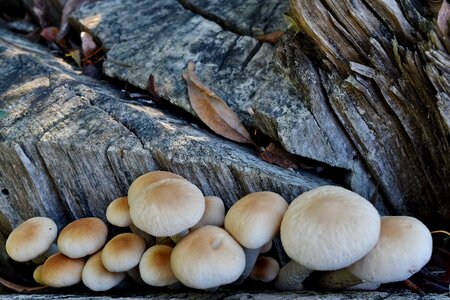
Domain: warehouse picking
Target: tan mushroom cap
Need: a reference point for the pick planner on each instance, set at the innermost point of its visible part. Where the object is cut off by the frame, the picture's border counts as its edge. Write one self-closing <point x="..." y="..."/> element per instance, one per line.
<point x="31" y="239"/>
<point x="118" y="212"/>
<point x="96" y="277"/>
<point x="155" y="266"/>
<point x="167" y="207"/>
<point x="329" y="228"/>
<point x="61" y="271"/>
<point x="404" y="247"/>
<point x="123" y="252"/>
<point x="147" y="179"/>
<point x="82" y="237"/>
<point x="37" y="275"/>
<point x="255" y="219"/>
<point x="265" y="269"/>
<point x="214" y="213"/>
<point x="207" y="257"/>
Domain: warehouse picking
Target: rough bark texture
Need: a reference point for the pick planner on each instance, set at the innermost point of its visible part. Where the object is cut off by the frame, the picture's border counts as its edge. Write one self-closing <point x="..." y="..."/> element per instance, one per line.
<point x="363" y="87"/>
<point x="70" y="145"/>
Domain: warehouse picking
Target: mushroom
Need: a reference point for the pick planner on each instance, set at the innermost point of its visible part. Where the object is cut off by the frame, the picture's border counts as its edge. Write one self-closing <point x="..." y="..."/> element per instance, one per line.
<point x="403" y="248"/>
<point x="214" y="213"/>
<point x="327" y="228"/>
<point x="145" y="180"/>
<point x="207" y="258"/>
<point x="31" y="239"/>
<point x="123" y="252"/>
<point x="96" y="277"/>
<point x="265" y="269"/>
<point x="168" y="207"/>
<point x="118" y="212"/>
<point x="37" y="275"/>
<point x="82" y="237"/>
<point x="253" y="221"/>
<point x="61" y="271"/>
<point x="155" y="268"/>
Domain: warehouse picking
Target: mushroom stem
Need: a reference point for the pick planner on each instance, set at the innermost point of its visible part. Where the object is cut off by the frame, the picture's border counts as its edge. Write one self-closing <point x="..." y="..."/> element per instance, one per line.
<point x="251" y="255"/>
<point x="291" y="277"/>
<point x="339" y="279"/>
<point x="177" y="237"/>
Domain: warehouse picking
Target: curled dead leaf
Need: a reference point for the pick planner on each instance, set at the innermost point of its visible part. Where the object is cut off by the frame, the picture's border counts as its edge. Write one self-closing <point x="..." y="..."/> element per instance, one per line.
<point x="20" y="288"/>
<point x="271" y="38"/>
<point x="278" y="156"/>
<point x="213" y="111"/>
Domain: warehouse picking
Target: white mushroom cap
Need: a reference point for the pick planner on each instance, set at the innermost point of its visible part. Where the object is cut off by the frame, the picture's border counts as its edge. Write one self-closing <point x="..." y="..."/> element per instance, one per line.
<point x="123" y="252"/>
<point x="207" y="257"/>
<point x="96" y="277"/>
<point x="255" y="219"/>
<point x="82" y="237"/>
<point x="265" y="269"/>
<point x="61" y="271"/>
<point x="155" y="266"/>
<point x="214" y="213"/>
<point x="404" y="247"/>
<point x="31" y="239"/>
<point x="167" y="207"/>
<point x="118" y="212"/>
<point x="145" y="180"/>
<point x="329" y="228"/>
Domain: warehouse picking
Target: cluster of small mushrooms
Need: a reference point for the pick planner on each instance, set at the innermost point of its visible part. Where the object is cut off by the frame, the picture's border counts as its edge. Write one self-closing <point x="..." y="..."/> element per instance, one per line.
<point x="179" y="236"/>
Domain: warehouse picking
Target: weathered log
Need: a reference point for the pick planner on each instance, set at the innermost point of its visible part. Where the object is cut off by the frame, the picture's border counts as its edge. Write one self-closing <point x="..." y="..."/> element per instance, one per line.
<point x="363" y="86"/>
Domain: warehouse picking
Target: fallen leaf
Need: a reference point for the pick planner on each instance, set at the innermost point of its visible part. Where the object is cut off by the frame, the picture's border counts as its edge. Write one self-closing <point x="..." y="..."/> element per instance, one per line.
<point x="213" y="111"/>
<point x="20" y="288"/>
<point x="271" y="38"/>
<point x="278" y="156"/>
<point x="50" y="33"/>
<point x="152" y="90"/>
<point x="88" y="46"/>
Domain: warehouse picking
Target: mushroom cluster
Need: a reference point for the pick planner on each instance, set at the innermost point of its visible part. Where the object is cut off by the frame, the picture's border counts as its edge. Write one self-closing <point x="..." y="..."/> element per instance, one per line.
<point x="178" y="236"/>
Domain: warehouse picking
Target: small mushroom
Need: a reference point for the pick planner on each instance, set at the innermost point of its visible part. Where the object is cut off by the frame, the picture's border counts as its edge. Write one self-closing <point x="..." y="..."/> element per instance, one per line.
<point x="82" y="237"/>
<point x="155" y="268"/>
<point x="37" y="275"/>
<point x="145" y="180"/>
<point x="118" y="212"/>
<point x="168" y="207"/>
<point x="123" y="252"/>
<point x="265" y="269"/>
<point x="207" y="258"/>
<point x="327" y="228"/>
<point x="96" y="277"/>
<point x="31" y="239"/>
<point x="61" y="271"/>
<point x="214" y="213"/>
<point x="253" y="221"/>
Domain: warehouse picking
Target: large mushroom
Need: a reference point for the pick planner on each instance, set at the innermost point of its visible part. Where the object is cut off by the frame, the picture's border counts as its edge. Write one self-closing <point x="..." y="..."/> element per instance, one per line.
<point x="327" y="228"/>
<point x="404" y="247"/>
<point x="31" y="239"/>
<point x="82" y="237"/>
<point x="61" y="271"/>
<point x="253" y="221"/>
<point x="155" y="268"/>
<point x="168" y="207"/>
<point x="207" y="258"/>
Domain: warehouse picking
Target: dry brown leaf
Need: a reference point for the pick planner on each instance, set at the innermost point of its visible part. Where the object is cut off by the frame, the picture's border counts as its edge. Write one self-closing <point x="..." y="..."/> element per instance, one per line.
<point x="278" y="156"/>
<point x="49" y="33"/>
<point x="213" y="111"/>
<point x="152" y="89"/>
<point x="20" y="288"/>
<point x="88" y="46"/>
<point x="271" y="38"/>
<point x="75" y="54"/>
